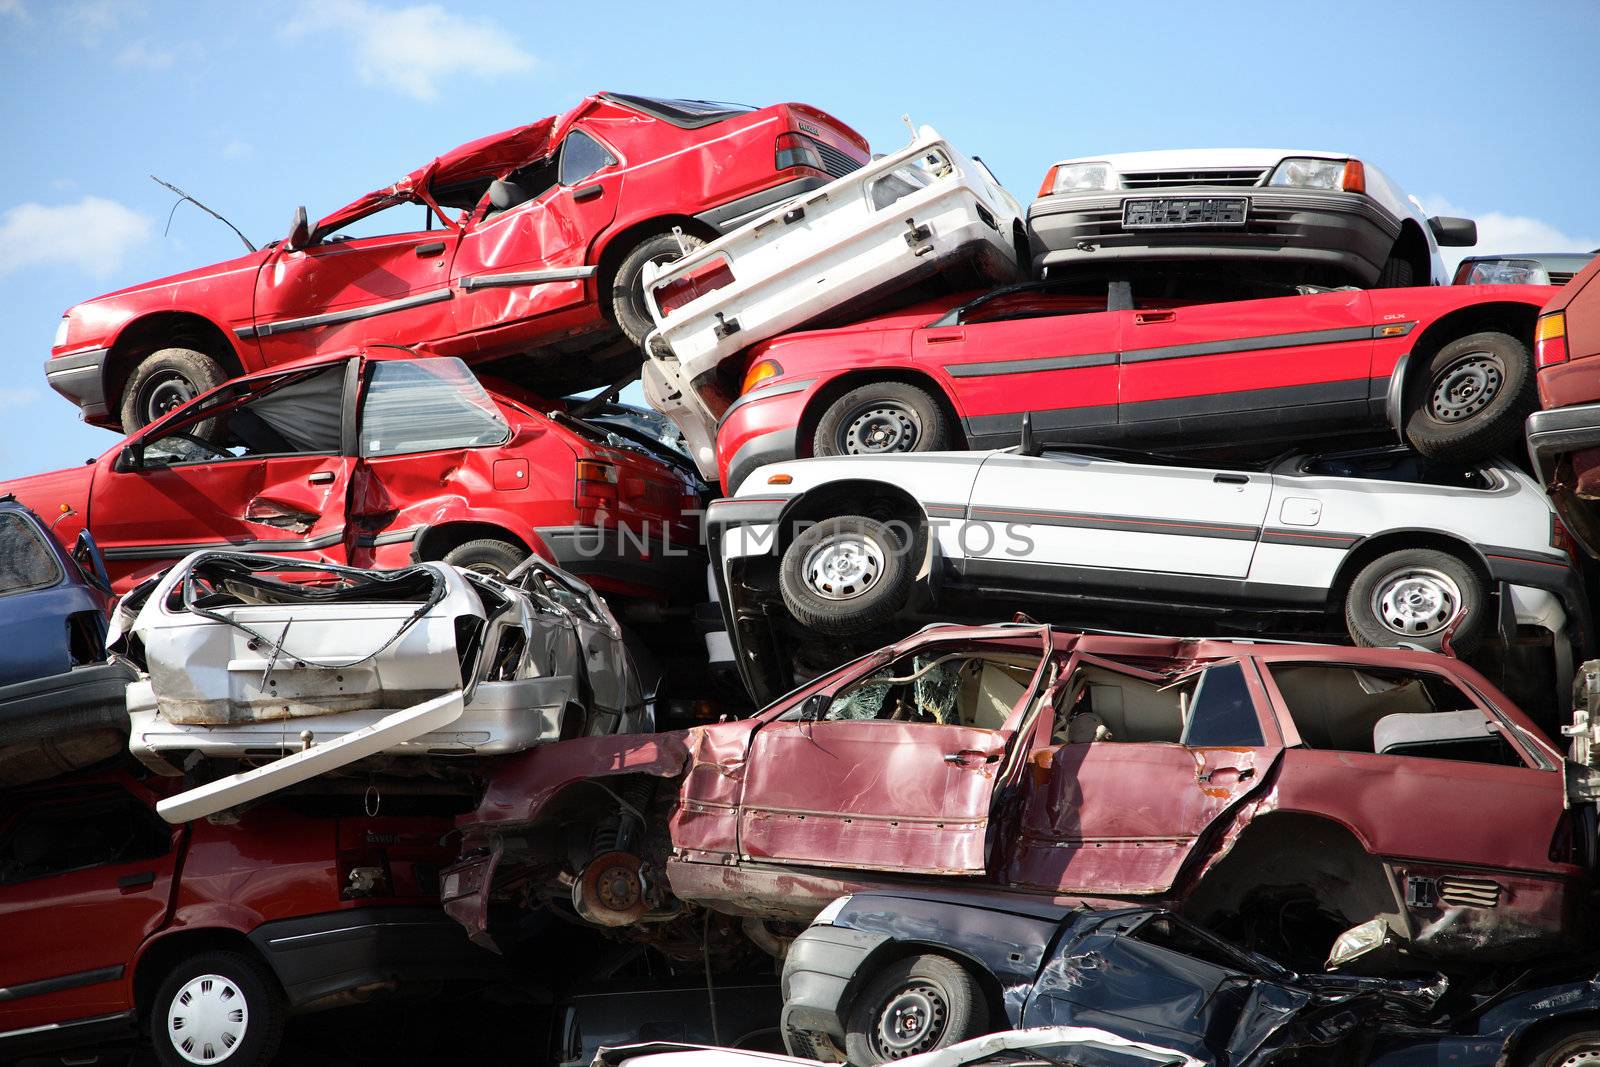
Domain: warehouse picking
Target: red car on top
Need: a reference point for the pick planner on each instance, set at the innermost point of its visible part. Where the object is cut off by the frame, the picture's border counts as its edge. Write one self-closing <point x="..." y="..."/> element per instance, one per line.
<point x="1169" y="361"/>
<point x="529" y="239"/>
<point x="380" y="459"/>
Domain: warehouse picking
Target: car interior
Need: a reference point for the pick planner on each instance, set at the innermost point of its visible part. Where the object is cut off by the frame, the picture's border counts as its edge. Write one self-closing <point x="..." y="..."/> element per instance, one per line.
<point x="1197" y="708"/>
<point x="303" y="415"/>
<point x="950" y="689"/>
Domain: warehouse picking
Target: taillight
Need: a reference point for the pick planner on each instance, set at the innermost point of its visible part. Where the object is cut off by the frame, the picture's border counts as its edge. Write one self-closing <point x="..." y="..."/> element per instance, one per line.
<point x="1561" y="538"/>
<point x="797" y="150"/>
<point x="1048" y="186"/>
<point x="707" y="278"/>
<point x="1550" y="339"/>
<point x="760" y="371"/>
<point x="597" y="483"/>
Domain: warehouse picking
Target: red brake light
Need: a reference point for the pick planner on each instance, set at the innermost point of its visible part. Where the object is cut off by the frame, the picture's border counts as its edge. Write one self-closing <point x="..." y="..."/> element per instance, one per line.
<point x="596" y="484"/>
<point x="1561" y="538"/>
<point x="1048" y="186"/>
<point x="1550" y="339"/>
<point x="702" y="280"/>
<point x="797" y="150"/>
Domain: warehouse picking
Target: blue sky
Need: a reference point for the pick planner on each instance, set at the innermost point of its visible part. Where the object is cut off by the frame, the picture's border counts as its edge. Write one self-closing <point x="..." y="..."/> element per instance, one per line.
<point x="1483" y="109"/>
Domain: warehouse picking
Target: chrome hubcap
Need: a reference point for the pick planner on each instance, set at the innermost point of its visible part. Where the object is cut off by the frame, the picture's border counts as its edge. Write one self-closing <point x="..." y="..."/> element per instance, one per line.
<point x="843" y="567"/>
<point x="207" y="1019"/>
<point x="1416" y="602"/>
<point x="911" y="1023"/>
<point x="886" y="428"/>
<point x="1466" y="387"/>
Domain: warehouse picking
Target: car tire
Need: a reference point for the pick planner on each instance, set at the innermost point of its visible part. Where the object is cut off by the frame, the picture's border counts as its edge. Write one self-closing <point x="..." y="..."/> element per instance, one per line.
<point x="228" y="998"/>
<point x="847" y="575"/>
<point x="487" y="555"/>
<point x="883" y="418"/>
<point x="627" y="285"/>
<point x="1570" y="1043"/>
<point x="1410" y="595"/>
<point x="1469" y="400"/>
<point x="1396" y="274"/>
<point x="914" y="1005"/>
<point x="165" y="379"/>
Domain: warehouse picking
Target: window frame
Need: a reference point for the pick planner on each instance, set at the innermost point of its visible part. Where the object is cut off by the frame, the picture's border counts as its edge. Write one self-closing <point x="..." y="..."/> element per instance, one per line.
<point x="111" y="797"/>
<point x="1272" y="735"/>
<point x="561" y="161"/>
<point x="369" y="382"/>
<point x="44" y="539"/>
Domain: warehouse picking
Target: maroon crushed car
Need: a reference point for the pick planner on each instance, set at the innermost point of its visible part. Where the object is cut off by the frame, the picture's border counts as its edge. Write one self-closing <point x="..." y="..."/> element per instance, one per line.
<point x="1274" y="790"/>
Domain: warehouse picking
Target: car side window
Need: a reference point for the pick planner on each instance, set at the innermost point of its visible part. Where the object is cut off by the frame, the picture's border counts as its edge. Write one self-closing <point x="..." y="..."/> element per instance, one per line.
<point x="1387" y="712"/>
<point x="26" y="562"/>
<point x="55" y="837"/>
<point x="582" y="156"/>
<point x="1210" y="707"/>
<point x="401" y="217"/>
<point x="423" y="405"/>
<point x="951" y="689"/>
<point x="1221" y="711"/>
<point x="302" y="416"/>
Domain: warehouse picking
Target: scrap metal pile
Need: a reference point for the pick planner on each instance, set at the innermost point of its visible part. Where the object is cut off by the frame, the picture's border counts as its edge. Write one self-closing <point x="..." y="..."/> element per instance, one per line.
<point x="1131" y="628"/>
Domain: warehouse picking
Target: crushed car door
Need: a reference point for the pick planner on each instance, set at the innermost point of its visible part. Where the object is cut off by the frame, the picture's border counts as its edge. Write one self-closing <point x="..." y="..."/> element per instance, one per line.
<point x="1289" y="364"/>
<point x="894" y="771"/>
<point x="526" y="251"/>
<point x="382" y="277"/>
<point x="1068" y="519"/>
<point x="260" y="467"/>
<point x="1139" y="765"/>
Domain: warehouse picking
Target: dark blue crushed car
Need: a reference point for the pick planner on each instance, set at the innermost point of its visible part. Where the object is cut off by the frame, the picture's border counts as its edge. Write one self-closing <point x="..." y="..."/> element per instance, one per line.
<point x="61" y="704"/>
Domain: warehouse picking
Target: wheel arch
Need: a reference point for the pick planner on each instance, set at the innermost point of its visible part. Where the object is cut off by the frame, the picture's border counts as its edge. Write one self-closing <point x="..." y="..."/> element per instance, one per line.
<point x="162" y="329"/>
<point x="831" y="390"/>
<point x="883" y="501"/>
<point x="1505" y="316"/>
<point x="1375" y="545"/>
<point x="166" y="951"/>
<point x="1537" y="1030"/>
<point x="1412" y="246"/>
<point x="893" y="951"/>
<point x="613" y="247"/>
<point x="437" y="539"/>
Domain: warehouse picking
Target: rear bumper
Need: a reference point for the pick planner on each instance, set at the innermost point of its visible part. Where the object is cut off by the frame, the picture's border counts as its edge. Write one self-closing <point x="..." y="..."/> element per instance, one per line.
<point x="81" y="378"/>
<point x="1564" y="446"/>
<point x="1332" y="229"/>
<point x="322" y="958"/>
<point x="736" y="213"/>
<point x="817" y="973"/>
<point x="89" y="696"/>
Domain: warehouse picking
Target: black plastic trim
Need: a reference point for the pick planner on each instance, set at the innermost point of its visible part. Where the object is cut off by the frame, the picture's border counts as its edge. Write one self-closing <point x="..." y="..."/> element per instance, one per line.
<point x="60" y="983"/>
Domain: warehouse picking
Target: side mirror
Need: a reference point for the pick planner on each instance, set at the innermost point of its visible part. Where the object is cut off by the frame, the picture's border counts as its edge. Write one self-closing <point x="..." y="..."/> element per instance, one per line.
<point x="87" y="555"/>
<point x="299" y="231"/>
<point x="1453" y="233"/>
<point x="129" y="459"/>
<point x="815" y="707"/>
<point x="1027" y="445"/>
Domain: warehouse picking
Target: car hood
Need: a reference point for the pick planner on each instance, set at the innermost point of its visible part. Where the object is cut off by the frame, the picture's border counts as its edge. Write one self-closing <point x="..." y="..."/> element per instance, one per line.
<point x="46" y="493"/>
<point x="248" y="261"/>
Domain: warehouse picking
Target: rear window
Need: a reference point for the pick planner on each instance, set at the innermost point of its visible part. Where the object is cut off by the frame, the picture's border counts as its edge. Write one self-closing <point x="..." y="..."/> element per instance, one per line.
<point x="689" y="114"/>
<point x="26" y="562"/>
<point x="1398" y="465"/>
<point x="423" y="405"/>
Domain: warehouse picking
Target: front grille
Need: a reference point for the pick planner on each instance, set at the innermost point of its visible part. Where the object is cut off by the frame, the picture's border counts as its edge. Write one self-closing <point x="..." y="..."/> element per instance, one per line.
<point x="1560" y="277"/>
<point x="835" y="162"/>
<point x="1161" y="179"/>
<point x="1469" y="892"/>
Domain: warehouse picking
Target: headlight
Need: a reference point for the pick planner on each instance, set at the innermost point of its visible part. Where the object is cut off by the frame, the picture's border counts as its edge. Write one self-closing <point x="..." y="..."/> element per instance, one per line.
<point x="1346" y="175"/>
<point x="1506" y="272"/>
<point x="1080" y="178"/>
<point x="1358" y="941"/>
<point x="61" y="334"/>
<point x="826" y="916"/>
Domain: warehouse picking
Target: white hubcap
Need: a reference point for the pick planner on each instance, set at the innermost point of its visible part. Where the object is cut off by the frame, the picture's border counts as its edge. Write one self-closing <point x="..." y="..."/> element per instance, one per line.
<point x="207" y="1019"/>
<point x="1416" y="602"/>
<point x="843" y="567"/>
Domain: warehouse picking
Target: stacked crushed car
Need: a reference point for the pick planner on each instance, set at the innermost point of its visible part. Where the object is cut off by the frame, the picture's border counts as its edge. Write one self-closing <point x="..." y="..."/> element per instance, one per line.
<point x="395" y="660"/>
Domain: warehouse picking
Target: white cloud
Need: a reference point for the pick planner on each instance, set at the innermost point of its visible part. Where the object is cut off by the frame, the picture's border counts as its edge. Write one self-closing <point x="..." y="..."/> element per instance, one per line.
<point x="237" y="149"/>
<point x="91" y="20"/>
<point x="19" y="398"/>
<point x="93" y="235"/>
<point x="15" y="9"/>
<point x="1499" y="232"/>
<point x="411" y="50"/>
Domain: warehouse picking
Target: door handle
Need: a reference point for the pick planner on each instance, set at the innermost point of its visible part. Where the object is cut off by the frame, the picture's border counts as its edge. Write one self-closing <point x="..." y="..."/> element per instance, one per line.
<point x="1231" y="479"/>
<point x="430" y="249"/>
<point x="321" y="478"/>
<point x="137" y="881"/>
<point x="962" y="758"/>
<point x="1146" y="318"/>
<point x="946" y="338"/>
<point x="588" y="192"/>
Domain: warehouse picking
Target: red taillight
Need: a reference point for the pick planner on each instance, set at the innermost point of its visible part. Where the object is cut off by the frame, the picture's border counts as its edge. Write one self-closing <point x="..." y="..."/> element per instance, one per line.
<point x="1550" y="339"/>
<point x="1048" y="186"/>
<point x="796" y="150"/>
<point x="1561" y="538"/>
<point x="704" y="279"/>
<point x="597" y="483"/>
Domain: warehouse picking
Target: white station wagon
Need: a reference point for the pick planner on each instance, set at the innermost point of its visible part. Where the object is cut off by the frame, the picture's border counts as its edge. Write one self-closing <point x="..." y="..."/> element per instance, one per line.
<point x="1405" y="551"/>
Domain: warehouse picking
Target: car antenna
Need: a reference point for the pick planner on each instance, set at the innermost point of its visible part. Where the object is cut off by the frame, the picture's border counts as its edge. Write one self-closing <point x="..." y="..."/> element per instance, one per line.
<point x="1026" y="444"/>
<point x="182" y="196"/>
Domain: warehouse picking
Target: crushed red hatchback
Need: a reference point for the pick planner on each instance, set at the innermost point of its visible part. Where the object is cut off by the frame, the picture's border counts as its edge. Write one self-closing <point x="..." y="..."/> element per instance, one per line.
<point x="527" y="242"/>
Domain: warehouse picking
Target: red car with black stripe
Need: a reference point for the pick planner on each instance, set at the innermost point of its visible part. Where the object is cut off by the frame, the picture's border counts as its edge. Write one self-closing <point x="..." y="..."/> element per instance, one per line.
<point x="1169" y="361"/>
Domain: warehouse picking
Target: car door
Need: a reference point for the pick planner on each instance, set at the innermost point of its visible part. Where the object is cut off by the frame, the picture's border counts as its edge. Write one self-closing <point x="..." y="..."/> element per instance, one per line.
<point x="1049" y="352"/>
<point x="858" y="787"/>
<point x="1069" y="519"/>
<point x="262" y="466"/>
<point x="532" y="257"/>
<point x="383" y="277"/>
<point x="1137" y="764"/>
<point x="1191" y="372"/>
<point x="85" y="876"/>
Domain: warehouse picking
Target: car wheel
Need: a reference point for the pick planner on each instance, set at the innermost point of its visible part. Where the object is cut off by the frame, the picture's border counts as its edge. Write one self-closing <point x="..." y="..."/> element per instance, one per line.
<point x="487" y="555"/>
<point x="1575" y="1044"/>
<point x="1412" y="595"/>
<point x="914" y="1005"/>
<point x="627" y="286"/>
<point x="166" y="379"/>
<point x="215" y="1008"/>
<point x="1469" y="401"/>
<point x="882" y="418"/>
<point x="846" y="575"/>
<point x="1396" y="274"/>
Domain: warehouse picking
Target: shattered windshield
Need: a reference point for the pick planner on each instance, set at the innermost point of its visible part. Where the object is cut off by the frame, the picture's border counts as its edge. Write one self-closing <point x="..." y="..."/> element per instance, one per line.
<point x="26" y="562"/>
<point x="933" y="684"/>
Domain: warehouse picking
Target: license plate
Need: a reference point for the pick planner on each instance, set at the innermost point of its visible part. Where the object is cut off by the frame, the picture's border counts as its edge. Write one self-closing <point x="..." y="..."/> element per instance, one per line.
<point x="1168" y="213"/>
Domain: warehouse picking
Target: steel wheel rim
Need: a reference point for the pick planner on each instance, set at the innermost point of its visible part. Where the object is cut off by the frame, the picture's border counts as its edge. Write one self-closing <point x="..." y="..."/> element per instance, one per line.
<point x="1467" y="386"/>
<point x="207" y="1019"/>
<point x="1584" y="1057"/>
<point x="843" y="567"/>
<point x="1416" y="601"/>
<point x="912" y="1022"/>
<point x="879" y="429"/>
<point x="165" y="392"/>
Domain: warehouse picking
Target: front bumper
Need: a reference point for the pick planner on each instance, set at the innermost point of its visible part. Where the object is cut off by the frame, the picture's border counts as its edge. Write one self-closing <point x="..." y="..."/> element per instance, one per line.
<point x="81" y="378"/>
<point x="817" y="974"/>
<point x="323" y="958"/>
<point x="1564" y="446"/>
<point x="761" y="426"/>
<point x="1348" y="231"/>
